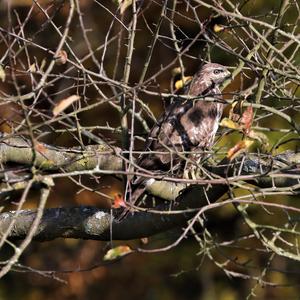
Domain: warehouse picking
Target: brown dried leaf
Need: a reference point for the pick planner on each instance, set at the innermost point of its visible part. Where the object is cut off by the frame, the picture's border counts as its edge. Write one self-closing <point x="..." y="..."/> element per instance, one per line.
<point x="63" y="104"/>
<point x="144" y="240"/>
<point x="117" y="252"/>
<point x="61" y="58"/>
<point x="247" y="119"/>
<point x="118" y="201"/>
<point x="40" y="148"/>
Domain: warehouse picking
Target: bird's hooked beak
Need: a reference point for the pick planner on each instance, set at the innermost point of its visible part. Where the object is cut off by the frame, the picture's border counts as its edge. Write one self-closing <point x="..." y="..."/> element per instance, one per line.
<point x="228" y="75"/>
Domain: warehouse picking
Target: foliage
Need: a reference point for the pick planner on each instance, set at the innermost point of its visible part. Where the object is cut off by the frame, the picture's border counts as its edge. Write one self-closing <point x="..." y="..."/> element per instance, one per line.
<point x="82" y="83"/>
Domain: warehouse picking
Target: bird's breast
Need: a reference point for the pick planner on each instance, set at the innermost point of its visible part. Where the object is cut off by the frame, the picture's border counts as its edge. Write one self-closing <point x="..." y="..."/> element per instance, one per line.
<point x="201" y="123"/>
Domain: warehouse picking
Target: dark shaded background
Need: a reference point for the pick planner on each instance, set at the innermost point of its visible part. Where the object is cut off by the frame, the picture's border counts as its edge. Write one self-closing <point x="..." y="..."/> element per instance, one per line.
<point x="180" y="273"/>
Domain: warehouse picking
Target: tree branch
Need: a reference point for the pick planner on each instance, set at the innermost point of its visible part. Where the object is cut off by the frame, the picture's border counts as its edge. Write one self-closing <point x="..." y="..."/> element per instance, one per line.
<point x="93" y="223"/>
<point x="49" y="158"/>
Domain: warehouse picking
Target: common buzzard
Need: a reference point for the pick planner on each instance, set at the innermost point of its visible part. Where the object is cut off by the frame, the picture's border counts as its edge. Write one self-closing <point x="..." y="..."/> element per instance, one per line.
<point x="187" y="125"/>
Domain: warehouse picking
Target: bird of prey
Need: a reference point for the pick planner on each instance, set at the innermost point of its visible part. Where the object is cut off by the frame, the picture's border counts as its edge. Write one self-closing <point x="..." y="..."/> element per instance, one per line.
<point x="188" y="125"/>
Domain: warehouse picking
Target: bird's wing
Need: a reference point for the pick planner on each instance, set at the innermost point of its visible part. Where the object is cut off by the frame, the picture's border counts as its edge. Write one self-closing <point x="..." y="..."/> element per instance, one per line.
<point x="161" y="137"/>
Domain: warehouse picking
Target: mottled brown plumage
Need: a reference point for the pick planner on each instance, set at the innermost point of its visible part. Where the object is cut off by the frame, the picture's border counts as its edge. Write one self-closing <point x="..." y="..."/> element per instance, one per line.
<point x="186" y="125"/>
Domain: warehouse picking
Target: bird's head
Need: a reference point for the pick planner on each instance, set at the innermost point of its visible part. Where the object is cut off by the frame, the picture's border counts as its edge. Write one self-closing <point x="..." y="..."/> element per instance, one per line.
<point x="209" y="77"/>
<point x="216" y="73"/>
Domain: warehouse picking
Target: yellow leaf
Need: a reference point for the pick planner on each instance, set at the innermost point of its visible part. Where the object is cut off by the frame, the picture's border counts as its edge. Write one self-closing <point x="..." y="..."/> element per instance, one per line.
<point x="117" y="252"/>
<point x="2" y="74"/>
<point x="43" y="64"/>
<point x="63" y="104"/>
<point x="248" y="143"/>
<point x="229" y="124"/>
<point x="176" y="71"/>
<point x="32" y="68"/>
<point x="218" y="28"/>
<point x="124" y="4"/>
<point x="260" y="137"/>
<point x="235" y="111"/>
<point x="180" y="83"/>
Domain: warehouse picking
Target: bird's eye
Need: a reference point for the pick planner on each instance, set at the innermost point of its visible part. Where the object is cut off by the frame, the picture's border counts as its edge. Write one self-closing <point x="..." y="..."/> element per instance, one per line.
<point x="218" y="71"/>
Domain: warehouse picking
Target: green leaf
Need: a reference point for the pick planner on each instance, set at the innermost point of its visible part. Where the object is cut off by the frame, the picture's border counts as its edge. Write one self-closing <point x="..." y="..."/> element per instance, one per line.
<point x="229" y="124"/>
<point x="117" y="252"/>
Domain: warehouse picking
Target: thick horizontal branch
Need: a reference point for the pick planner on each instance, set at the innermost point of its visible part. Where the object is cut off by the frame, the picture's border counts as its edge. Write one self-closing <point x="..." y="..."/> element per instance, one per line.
<point x="94" y="223"/>
<point x="21" y="151"/>
<point x="264" y="172"/>
<point x="102" y="224"/>
<point x="106" y="158"/>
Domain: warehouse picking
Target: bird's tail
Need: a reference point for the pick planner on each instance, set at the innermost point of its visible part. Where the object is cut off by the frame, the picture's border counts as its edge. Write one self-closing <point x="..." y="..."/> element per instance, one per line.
<point x="135" y="190"/>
